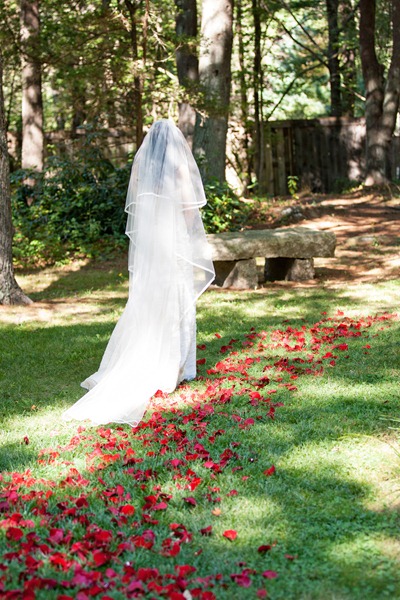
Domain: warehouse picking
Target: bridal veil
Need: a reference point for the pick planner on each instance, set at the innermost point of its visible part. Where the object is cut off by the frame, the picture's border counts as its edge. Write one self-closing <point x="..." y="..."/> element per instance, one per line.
<point x="153" y="346"/>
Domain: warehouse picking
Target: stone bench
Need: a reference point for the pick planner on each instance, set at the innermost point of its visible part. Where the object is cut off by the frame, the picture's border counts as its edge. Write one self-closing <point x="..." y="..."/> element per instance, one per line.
<point x="289" y="254"/>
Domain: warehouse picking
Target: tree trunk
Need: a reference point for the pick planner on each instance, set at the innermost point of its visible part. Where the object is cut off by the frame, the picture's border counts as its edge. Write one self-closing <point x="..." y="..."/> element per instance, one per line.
<point x="137" y="78"/>
<point x="382" y="98"/>
<point x="78" y="92"/>
<point x="187" y="63"/>
<point x="332" y="7"/>
<point x="32" y="107"/>
<point x="10" y="292"/>
<point x="348" y="68"/>
<point x="244" y="104"/>
<point x="215" y="82"/>
<point x="257" y="91"/>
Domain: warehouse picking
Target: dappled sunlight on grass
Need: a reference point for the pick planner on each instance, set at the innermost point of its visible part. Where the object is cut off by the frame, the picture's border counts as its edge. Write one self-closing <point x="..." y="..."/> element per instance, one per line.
<point x="294" y="302"/>
<point x="336" y="390"/>
<point x="364" y="460"/>
<point x="280" y="439"/>
<point x="76" y="277"/>
<point x="378" y="296"/>
<point x="97" y="309"/>
<point x="353" y="555"/>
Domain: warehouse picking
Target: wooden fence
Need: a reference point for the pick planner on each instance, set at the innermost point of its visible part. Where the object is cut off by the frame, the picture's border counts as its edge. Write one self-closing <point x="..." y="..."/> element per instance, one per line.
<point x="116" y="144"/>
<point x="322" y="153"/>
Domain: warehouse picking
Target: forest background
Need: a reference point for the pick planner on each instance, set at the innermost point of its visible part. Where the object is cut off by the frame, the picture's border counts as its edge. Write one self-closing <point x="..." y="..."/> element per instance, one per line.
<point x="276" y="472"/>
<point x="83" y="81"/>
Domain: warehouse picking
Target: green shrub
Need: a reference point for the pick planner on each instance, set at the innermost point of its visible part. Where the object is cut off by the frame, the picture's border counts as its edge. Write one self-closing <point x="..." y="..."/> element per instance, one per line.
<point x="224" y="211"/>
<point x="293" y="186"/>
<point x="75" y="207"/>
<point x="342" y="185"/>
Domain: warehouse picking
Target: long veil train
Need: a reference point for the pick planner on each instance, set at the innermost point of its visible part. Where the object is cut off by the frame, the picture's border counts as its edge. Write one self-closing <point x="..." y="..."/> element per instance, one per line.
<point x="153" y="346"/>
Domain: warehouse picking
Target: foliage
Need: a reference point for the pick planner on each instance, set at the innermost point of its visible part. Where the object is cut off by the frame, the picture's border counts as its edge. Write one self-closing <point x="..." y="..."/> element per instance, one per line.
<point x="345" y="186"/>
<point x="77" y="207"/>
<point x="293" y="186"/>
<point x="88" y="67"/>
<point x="93" y="79"/>
<point x="224" y="211"/>
<point x="263" y="460"/>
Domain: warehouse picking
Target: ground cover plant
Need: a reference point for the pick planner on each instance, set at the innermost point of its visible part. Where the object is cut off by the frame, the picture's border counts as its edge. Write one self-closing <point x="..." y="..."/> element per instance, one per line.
<point x="77" y="207"/>
<point x="274" y="474"/>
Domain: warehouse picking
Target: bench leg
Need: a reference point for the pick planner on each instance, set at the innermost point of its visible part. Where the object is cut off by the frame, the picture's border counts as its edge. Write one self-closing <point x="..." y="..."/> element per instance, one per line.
<point x="236" y="274"/>
<point x="289" y="269"/>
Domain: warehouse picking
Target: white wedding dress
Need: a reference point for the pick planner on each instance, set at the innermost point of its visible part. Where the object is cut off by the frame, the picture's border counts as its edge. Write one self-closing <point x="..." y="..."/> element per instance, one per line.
<point x="153" y="346"/>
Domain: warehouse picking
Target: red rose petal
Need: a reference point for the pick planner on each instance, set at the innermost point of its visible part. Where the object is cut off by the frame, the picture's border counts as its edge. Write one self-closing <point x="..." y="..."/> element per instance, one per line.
<point x="191" y="500"/>
<point x="230" y="534"/>
<point x="269" y="574"/>
<point x="270" y="471"/>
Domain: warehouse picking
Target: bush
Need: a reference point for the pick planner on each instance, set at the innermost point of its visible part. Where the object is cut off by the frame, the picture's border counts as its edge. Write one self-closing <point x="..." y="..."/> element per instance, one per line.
<point x="224" y="211"/>
<point x="341" y="185"/>
<point x="76" y="207"/>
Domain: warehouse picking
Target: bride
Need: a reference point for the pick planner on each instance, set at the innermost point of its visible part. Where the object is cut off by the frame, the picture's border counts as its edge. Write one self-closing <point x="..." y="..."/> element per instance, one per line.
<point x="153" y="346"/>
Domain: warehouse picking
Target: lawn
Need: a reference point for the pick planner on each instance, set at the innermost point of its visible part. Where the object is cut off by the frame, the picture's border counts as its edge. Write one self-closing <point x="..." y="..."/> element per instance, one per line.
<point x="275" y="474"/>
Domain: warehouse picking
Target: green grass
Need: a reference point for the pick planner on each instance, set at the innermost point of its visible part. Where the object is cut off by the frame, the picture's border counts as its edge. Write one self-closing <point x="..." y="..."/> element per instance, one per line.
<point x="332" y="503"/>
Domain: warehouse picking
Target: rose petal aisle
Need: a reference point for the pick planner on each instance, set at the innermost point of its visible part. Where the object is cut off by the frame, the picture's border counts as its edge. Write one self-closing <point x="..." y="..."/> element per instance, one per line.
<point x="193" y="503"/>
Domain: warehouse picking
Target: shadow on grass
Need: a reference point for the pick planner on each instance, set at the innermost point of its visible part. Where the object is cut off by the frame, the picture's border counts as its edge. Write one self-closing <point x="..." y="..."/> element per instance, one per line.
<point x="43" y="365"/>
<point x="90" y="277"/>
<point x="315" y="506"/>
<point x="17" y="456"/>
<point x="316" y="512"/>
<point x="40" y="365"/>
<point x="331" y="531"/>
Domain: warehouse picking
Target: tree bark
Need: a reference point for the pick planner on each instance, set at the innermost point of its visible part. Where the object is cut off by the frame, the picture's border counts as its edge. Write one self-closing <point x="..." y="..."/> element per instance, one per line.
<point x="32" y="106"/>
<point x="10" y="292"/>
<point x="382" y="97"/>
<point x="348" y="68"/>
<point x="244" y="103"/>
<point x="137" y="78"/>
<point x="332" y="7"/>
<point x="78" y="93"/>
<point x="215" y="83"/>
<point x="257" y="91"/>
<point x="187" y="63"/>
